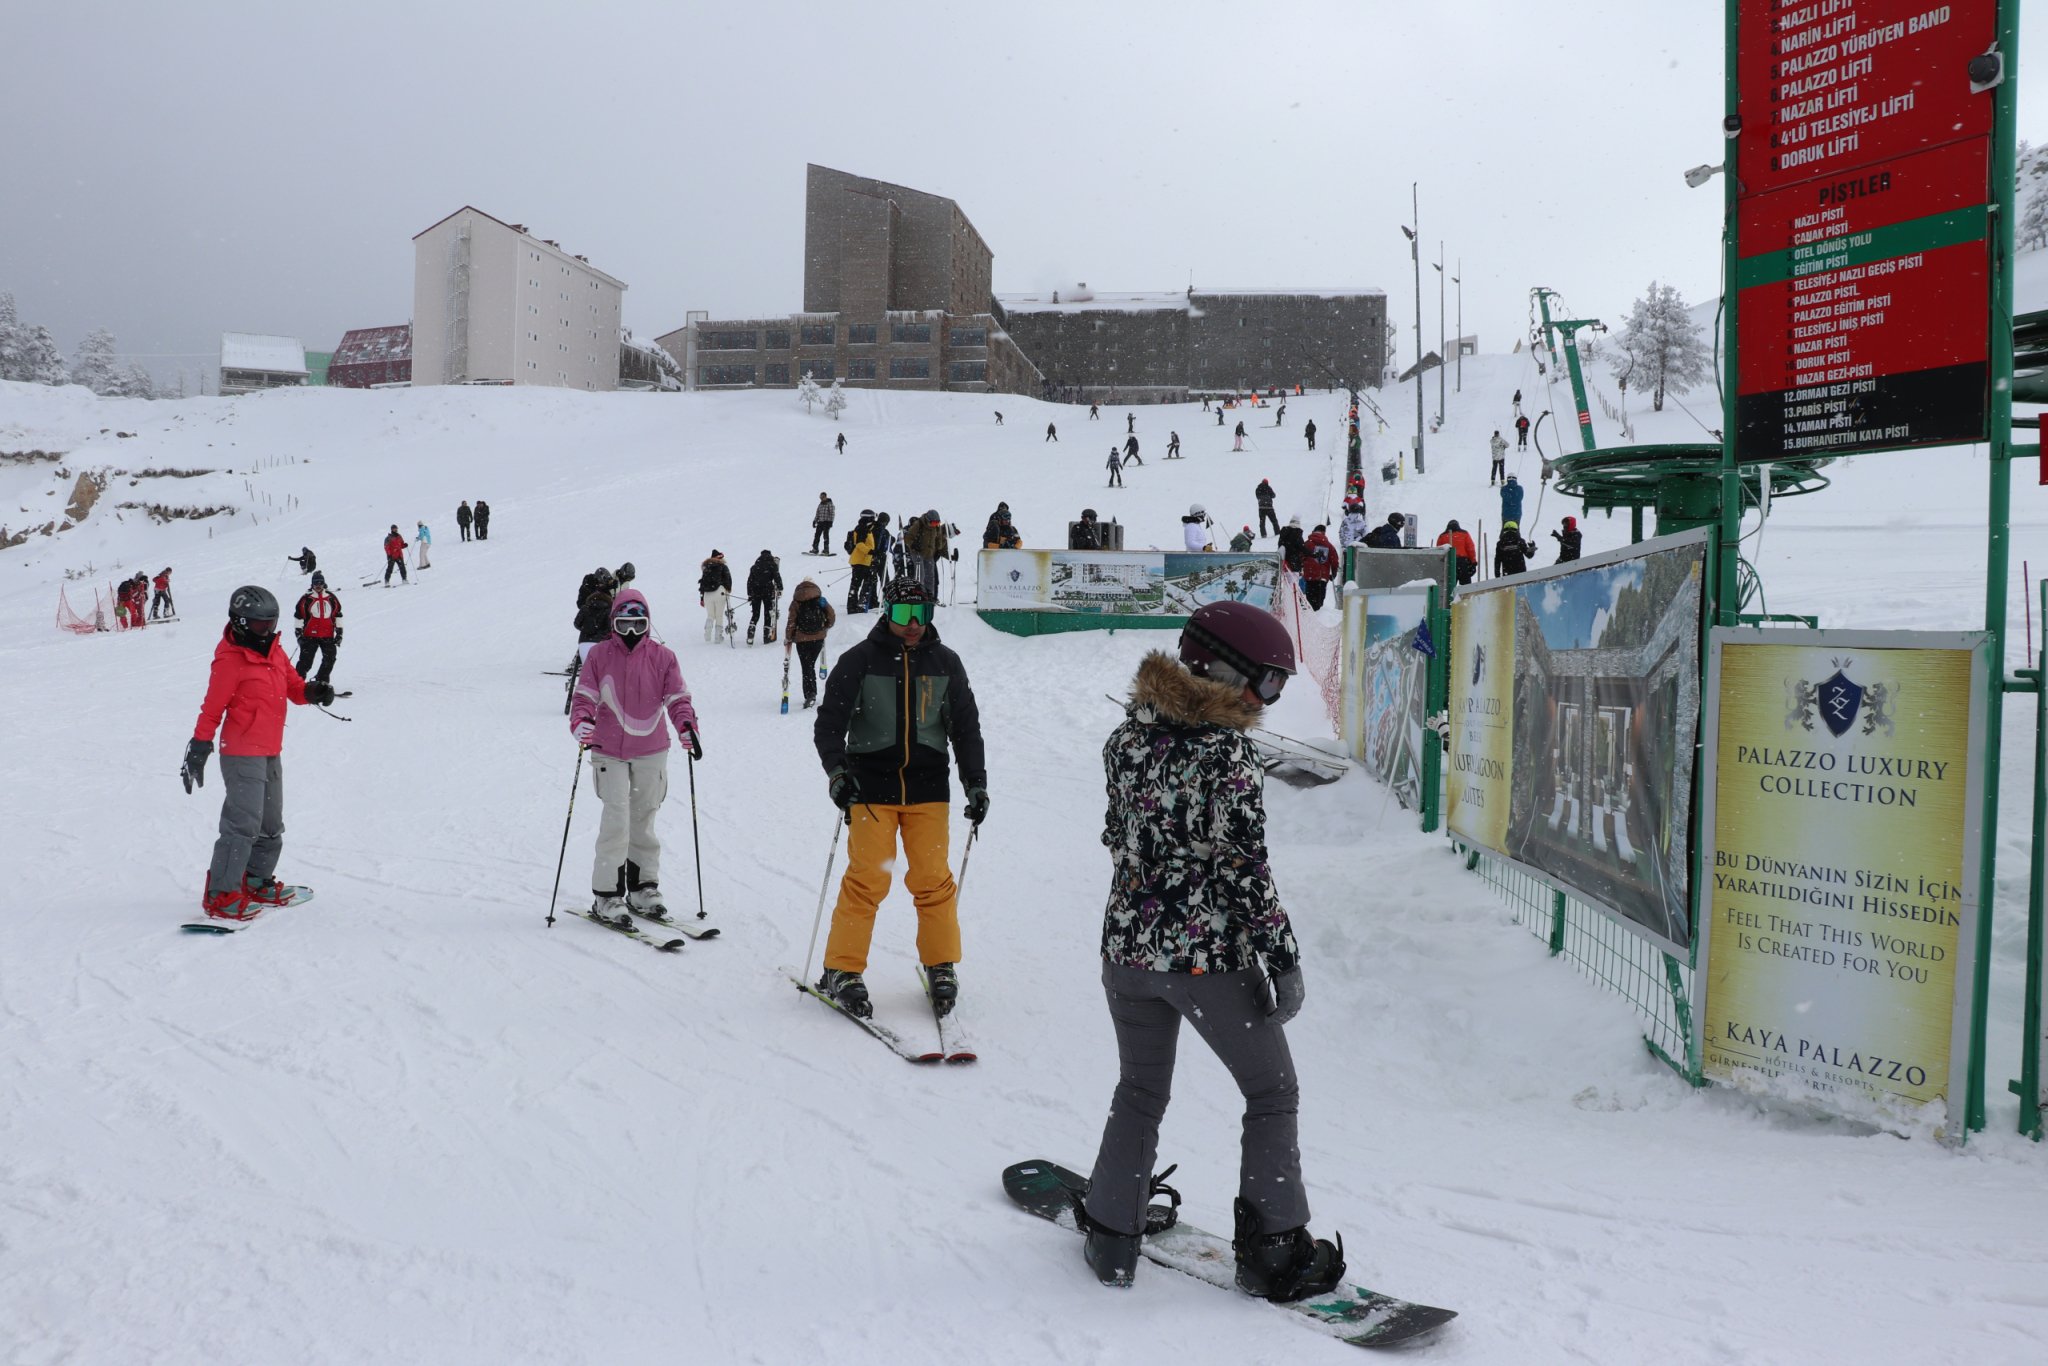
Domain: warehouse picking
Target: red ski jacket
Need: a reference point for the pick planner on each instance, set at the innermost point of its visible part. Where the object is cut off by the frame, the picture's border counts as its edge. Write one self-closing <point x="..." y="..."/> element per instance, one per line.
<point x="248" y="690"/>
<point x="1319" y="559"/>
<point x="1461" y="545"/>
<point x="162" y="582"/>
<point x="320" y="610"/>
<point x="394" y="547"/>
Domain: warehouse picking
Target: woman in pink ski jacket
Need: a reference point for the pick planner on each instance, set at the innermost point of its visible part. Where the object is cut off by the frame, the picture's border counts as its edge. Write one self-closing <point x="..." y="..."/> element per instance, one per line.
<point x="623" y="691"/>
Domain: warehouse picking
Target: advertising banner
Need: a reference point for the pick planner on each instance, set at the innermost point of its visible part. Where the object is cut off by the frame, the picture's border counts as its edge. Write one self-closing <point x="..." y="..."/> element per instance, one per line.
<point x="1376" y="569"/>
<point x="1841" y="802"/>
<point x="1123" y="582"/>
<point x="1386" y="686"/>
<point x="1574" y="704"/>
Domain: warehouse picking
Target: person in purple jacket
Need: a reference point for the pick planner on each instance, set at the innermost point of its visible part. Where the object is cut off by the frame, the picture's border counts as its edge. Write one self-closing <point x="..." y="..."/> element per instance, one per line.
<point x="625" y="686"/>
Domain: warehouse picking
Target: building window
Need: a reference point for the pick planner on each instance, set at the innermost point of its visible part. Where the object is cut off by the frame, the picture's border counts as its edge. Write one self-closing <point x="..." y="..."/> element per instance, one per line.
<point x="725" y="374"/>
<point x="776" y="372"/>
<point x="910" y="332"/>
<point x="970" y="336"/>
<point x="776" y="339"/>
<point x="820" y="370"/>
<point x="910" y="367"/>
<point x="816" y="334"/>
<point x="968" y="372"/>
<point x="860" y="369"/>
<point x="726" y="341"/>
<point x="857" y="333"/>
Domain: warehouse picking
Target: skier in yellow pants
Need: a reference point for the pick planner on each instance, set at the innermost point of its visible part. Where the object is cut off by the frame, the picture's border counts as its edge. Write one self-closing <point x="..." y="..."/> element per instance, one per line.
<point x="892" y="705"/>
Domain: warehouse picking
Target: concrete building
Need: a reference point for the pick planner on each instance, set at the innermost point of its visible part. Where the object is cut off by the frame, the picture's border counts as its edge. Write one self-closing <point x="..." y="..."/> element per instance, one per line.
<point x="896" y="296"/>
<point x="369" y="356"/>
<point x="493" y="304"/>
<point x="250" y="361"/>
<point x="1164" y="347"/>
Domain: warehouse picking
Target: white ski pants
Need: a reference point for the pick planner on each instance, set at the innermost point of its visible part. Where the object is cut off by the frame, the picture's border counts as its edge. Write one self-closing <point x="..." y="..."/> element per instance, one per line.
<point x="715" y="603"/>
<point x="632" y="790"/>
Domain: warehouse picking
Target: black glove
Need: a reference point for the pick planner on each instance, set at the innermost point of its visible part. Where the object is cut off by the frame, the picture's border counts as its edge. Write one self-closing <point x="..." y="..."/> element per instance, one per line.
<point x="977" y="805"/>
<point x="844" y="790"/>
<point x="696" y="744"/>
<point x="1284" y="994"/>
<point x="193" y="770"/>
<point x="337" y="635"/>
<point x="299" y="634"/>
<point x="319" y="693"/>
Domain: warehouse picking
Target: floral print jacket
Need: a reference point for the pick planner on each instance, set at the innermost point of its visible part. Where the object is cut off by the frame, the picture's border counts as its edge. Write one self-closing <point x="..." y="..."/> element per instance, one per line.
<point x="1191" y="889"/>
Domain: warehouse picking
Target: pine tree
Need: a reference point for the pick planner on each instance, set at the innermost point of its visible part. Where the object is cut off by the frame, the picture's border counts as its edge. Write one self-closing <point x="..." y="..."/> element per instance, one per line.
<point x="835" y="401"/>
<point x="2030" y="229"/>
<point x="12" y="365"/>
<point x="136" y="383"/>
<point x="1661" y="349"/>
<point x="807" y="392"/>
<point x="42" y="361"/>
<point x="93" y="364"/>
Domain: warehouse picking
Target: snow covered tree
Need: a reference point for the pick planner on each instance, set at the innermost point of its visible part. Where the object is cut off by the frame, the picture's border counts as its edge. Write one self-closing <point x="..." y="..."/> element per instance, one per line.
<point x="807" y="392"/>
<point x="41" y="357"/>
<point x="13" y="341"/>
<point x="2030" y="230"/>
<point x="136" y="383"/>
<point x="93" y="364"/>
<point x="1661" y="348"/>
<point x="835" y="402"/>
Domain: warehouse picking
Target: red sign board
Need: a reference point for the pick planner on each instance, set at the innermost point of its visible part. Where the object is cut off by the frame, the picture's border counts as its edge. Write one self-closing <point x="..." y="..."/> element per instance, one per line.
<point x="1863" y="169"/>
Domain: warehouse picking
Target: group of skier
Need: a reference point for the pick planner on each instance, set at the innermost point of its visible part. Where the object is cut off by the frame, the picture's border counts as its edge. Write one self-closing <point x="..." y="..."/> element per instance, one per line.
<point x="134" y="602"/>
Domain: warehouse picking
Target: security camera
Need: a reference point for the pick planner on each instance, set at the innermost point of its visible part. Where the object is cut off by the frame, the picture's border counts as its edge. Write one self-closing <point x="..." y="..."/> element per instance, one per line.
<point x="1700" y="175"/>
<point x="1986" y="69"/>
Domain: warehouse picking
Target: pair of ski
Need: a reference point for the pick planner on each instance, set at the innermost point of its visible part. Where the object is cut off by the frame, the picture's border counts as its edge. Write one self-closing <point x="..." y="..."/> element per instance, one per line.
<point x="206" y="924"/>
<point x="953" y="1045"/>
<point x="628" y="926"/>
<point x="785" y="678"/>
<point x="1350" y="1313"/>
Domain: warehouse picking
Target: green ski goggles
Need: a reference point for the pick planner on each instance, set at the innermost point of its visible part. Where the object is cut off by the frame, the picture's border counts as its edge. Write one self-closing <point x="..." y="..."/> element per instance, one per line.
<point x="904" y="613"/>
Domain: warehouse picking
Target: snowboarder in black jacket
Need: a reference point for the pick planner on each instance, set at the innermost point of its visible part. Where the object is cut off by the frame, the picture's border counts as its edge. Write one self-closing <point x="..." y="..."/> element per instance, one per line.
<point x="1567" y="541"/>
<point x="764" y="591"/>
<point x="1264" y="493"/>
<point x="1511" y="553"/>
<point x="1387" y="536"/>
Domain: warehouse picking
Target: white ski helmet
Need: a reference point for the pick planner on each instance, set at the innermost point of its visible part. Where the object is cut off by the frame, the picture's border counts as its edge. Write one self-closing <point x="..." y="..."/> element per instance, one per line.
<point x="1196" y="510"/>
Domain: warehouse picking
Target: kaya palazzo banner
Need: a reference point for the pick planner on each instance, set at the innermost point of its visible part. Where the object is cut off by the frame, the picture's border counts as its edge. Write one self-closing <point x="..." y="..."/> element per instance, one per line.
<point x="1840" y="813"/>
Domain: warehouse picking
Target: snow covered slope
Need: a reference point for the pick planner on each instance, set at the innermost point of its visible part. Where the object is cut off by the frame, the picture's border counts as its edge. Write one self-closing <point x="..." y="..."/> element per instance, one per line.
<point x="410" y="1123"/>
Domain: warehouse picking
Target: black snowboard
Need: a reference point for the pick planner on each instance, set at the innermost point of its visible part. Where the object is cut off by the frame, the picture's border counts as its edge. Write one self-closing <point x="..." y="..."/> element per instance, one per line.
<point x="1361" y="1317"/>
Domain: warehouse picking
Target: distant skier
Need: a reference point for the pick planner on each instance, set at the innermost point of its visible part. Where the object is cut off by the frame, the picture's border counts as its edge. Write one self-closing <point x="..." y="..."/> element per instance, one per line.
<point x="1511" y="501"/>
<point x="483" y="520"/>
<point x="1173" y="445"/>
<point x="714" y="590"/>
<point x="1242" y="541"/>
<point x="629" y="683"/>
<point x="1116" y="469"/>
<point x="246" y="692"/>
<point x="1194" y="529"/>
<point x="1511" y="553"/>
<point x="1052" y="433"/>
<point x="1094" y="412"/>
<point x="160" y="605"/>
<point x="1460" y="542"/>
<point x="1291" y="541"/>
<point x="1131" y="451"/>
<point x="764" y="588"/>
<point x="1521" y="432"/>
<point x="840" y="444"/>
<point x="319" y="630"/>
<point x="1239" y="444"/>
<point x="424" y="540"/>
<point x="394" y="556"/>
<point x="463" y="517"/>
<point x="1309" y="430"/>
<point x="1499" y="446"/>
<point x="821" y="525"/>
<point x="1264" y="493"/>
<point x="1194" y="930"/>
<point x="1130" y="423"/>
<point x="811" y="619"/>
<point x="1219" y="415"/>
<point x="1518" y="403"/>
<point x="892" y="704"/>
<point x="1320" y="562"/>
<point x="1388" y="535"/>
<point x="1568" y="541"/>
<point x="1280" y="415"/>
<point x="305" y="560"/>
<point x="999" y="417"/>
<point x="1085" y="534"/>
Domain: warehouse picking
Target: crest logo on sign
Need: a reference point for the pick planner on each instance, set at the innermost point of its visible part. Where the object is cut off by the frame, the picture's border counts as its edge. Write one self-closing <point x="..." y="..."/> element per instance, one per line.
<point x="1840" y="700"/>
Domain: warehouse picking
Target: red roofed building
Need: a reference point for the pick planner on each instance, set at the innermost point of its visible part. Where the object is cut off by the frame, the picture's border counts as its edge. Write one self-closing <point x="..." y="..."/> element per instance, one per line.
<point x="370" y="356"/>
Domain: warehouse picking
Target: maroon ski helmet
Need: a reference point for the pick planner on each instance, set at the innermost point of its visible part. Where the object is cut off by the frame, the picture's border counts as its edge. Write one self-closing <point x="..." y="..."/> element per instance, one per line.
<point x="1234" y="642"/>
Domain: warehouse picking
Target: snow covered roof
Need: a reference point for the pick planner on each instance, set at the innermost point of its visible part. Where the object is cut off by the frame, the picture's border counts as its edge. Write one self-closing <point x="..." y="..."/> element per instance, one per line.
<point x="362" y="344"/>
<point x="253" y="351"/>
<point x="1325" y="292"/>
<point x="1085" y="300"/>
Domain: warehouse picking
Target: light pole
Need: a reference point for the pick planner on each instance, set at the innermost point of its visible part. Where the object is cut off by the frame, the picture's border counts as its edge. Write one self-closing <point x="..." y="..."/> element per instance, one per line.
<point x="1415" y="255"/>
<point x="1459" y="281"/>
<point x="1441" y="358"/>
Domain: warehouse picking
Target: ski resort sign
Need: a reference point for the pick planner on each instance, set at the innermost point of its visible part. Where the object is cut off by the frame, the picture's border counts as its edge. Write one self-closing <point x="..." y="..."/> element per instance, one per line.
<point x="1839" y="829"/>
<point x="1863" y="179"/>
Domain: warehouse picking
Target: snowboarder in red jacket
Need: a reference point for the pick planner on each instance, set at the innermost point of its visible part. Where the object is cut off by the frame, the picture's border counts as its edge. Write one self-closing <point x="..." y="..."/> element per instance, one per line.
<point x="394" y="556"/>
<point x="245" y="703"/>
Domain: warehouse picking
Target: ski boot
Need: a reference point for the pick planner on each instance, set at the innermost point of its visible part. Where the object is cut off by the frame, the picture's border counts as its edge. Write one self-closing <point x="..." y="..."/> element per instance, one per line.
<point x="232" y="904"/>
<point x="1112" y="1256"/>
<point x="646" y="900"/>
<point x="267" y="893"/>
<point x="750" y="633"/>
<point x="847" y="991"/>
<point x="610" y="907"/>
<point x="1284" y="1266"/>
<point x="944" y="985"/>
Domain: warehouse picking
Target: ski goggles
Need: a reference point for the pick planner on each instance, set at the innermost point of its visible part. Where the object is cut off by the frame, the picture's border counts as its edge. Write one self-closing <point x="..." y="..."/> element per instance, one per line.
<point x="631" y="620"/>
<point x="904" y="613"/>
<point x="1268" y="685"/>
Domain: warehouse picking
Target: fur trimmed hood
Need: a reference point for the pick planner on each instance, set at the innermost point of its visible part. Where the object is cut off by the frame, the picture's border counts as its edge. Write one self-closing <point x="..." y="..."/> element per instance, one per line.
<point x="1173" y="695"/>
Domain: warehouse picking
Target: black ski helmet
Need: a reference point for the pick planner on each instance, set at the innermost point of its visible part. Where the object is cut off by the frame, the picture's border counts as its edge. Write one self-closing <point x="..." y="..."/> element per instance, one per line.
<point x="1238" y="644"/>
<point x="252" y="617"/>
<point x="904" y="588"/>
<point x="625" y="572"/>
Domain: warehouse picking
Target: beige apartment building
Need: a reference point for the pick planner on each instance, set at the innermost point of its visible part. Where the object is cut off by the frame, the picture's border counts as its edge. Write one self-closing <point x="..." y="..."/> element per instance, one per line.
<point x="493" y="304"/>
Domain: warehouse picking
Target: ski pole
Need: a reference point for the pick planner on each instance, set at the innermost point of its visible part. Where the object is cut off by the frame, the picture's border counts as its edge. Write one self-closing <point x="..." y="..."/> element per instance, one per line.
<point x="966" y="853"/>
<point x="574" y="779"/>
<point x="696" y="849"/>
<point x="831" y="857"/>
<point x="335" y="714"/>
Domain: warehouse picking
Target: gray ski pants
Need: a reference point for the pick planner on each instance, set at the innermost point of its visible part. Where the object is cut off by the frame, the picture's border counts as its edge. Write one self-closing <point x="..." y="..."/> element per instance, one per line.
<point x="1228" y="1010"/>
<point x="251" y="821"/>
<point x="632" y="790"/>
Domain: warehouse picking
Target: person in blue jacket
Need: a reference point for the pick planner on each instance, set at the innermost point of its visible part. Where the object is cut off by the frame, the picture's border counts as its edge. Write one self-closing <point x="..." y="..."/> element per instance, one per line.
<point x="1511" y="502"/>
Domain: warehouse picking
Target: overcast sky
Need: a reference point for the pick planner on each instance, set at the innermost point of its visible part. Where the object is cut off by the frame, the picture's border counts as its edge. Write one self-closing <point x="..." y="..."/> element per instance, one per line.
<point x="174" y="171"/>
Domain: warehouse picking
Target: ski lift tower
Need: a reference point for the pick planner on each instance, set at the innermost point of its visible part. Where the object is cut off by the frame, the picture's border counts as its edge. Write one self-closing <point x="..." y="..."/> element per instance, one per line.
<point x="1567" y="329"/>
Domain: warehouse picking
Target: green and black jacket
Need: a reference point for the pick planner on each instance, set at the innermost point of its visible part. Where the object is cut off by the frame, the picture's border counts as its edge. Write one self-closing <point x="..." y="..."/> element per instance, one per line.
<point x="888" y="714"/>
